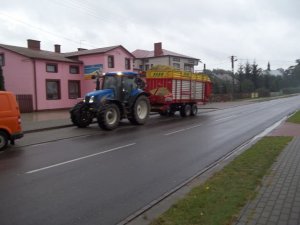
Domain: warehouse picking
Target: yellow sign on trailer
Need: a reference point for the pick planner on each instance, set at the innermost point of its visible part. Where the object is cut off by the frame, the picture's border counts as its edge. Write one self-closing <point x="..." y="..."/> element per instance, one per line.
<point x="153" y="74"/>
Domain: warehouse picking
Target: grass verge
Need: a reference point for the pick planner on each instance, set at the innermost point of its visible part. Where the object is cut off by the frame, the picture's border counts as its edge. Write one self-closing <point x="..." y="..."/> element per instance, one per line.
<point x="295" y="118"/>
<point x="220" y="199"/>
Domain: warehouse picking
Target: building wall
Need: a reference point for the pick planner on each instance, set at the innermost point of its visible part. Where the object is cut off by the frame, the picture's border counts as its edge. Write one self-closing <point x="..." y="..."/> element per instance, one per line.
<point x="18" y="73"/>
<point x="119" y="56"/>
<point x="119" y="65"/>
<point x="63" y="75"/>
<point x="147" y="63"/>
<point x="166" y="60"/>
<point x="89" y="85"/>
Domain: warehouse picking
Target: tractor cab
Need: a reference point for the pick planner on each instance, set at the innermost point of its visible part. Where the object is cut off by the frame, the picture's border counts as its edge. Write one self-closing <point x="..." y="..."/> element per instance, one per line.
<point x="122" y="84"/>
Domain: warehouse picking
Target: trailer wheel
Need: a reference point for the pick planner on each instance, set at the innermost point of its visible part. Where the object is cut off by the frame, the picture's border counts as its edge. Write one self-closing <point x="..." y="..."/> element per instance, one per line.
<point x="109" y="117"/>
<point x="81" y="116"/>
<point x="185" y="110"/>
<point x="3" y="140"/>
<point x="140" y="111"/>
<point x="194" y="110"/>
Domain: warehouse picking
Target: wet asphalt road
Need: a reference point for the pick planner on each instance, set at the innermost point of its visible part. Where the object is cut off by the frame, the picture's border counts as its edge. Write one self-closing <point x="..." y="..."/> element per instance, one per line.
<point x="94" y="177"/>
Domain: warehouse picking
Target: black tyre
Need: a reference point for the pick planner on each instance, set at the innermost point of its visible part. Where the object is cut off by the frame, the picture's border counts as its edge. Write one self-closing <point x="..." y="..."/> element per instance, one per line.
<point x="81" y="116"/>
<point x="74" y="113"/>
<point x="3" y="140"/>
<point x="163" y="113"/>
<point x="186" y="110"/>
<point x="194" y="110"/>
<point x="109" y="117"/>
<point x="168" y="112"/>
<point x="140" y="111"/>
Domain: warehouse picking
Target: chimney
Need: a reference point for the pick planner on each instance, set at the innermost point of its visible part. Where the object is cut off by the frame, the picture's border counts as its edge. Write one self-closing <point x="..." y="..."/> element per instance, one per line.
<point x="158" y="49"/>
<point x="33" y="44"/>
<point x="57" y="48"/>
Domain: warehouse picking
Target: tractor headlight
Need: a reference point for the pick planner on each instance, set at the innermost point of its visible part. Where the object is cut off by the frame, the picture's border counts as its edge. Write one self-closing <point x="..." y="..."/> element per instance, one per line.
<point x="92" y="99"/>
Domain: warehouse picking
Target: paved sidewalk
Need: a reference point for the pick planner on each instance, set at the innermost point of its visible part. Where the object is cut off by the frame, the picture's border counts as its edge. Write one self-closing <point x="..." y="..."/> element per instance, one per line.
<point x="37" y="121"/>
<point x="278" y="200"/>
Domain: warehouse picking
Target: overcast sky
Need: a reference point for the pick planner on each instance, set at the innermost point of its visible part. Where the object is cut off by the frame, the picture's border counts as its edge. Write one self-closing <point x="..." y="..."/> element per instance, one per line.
<point x="211" y="30"/>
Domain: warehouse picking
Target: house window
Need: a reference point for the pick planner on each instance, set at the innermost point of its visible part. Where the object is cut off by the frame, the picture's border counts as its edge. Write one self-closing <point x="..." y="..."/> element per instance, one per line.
<point x="53" y="89"/>
<point x="176" y="66"/>
<point x="188" y="67"/>
<point x="2" y="61"/>
<point x="176" y="59"/>
<point x="74" y="89"/>
<point x="74" y="69"/>
<point x="141" y="67"/>
<point x="51" y="68"/>
<point x="111" y="63"/>
<point x="147" y="67"/>
<point x="127" y="64"/>
<point x="191" y="61"/>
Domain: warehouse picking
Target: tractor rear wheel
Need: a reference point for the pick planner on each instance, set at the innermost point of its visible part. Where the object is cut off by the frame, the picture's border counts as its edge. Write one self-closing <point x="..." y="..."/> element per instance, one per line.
<point x="109" y="117"/>
<point x="140" y="111"/>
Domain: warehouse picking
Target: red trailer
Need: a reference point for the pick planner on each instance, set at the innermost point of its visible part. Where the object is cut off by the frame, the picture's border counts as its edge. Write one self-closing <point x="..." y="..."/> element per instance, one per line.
<point x="172" y="91"/>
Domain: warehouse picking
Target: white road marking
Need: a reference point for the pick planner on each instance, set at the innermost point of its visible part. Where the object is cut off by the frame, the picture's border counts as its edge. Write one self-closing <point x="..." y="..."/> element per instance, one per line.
<point x="224" y="118"/>
<point x="77" y="159"/>
<point x="181" y="130"/>
<point x="188" y="128"/>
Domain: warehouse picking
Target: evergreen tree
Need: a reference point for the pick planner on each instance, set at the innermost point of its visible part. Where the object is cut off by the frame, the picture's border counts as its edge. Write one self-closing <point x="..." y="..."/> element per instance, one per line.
<point x="255" y="74"/>
<point x="247" y="71"/>
<point x="240" y="75"/>
<point x="269" y="67"/>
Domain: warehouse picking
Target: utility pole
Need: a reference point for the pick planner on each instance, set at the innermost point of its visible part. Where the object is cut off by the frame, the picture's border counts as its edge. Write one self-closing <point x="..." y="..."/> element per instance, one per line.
<point x="233" y="59"/>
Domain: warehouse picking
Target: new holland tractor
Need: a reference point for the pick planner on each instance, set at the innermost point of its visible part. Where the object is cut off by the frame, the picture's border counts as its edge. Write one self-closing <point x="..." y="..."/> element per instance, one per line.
<point x="121" y="96"/>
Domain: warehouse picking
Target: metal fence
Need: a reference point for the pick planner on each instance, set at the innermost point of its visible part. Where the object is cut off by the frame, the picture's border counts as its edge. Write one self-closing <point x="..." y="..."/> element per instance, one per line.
<point x="25" y="103"/>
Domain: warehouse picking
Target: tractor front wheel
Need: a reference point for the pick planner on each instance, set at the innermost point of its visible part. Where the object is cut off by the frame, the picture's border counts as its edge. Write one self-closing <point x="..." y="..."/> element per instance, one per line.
<point x="81" y="116"/>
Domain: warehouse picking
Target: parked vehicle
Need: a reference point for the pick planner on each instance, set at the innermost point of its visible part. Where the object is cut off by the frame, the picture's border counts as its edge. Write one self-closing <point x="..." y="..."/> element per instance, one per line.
<point x="10" y="119"/>
<point x="127" y="95"/>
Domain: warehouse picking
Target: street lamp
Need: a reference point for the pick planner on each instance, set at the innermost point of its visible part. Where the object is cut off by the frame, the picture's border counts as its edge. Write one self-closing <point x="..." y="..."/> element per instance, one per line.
<point x="232" y="67"/>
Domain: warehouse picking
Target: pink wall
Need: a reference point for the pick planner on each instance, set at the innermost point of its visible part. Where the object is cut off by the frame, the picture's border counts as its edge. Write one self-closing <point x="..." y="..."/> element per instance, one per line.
<point x="119" y="60"/>
<point x="18" y="73"/>
<point x="64" y="76"/>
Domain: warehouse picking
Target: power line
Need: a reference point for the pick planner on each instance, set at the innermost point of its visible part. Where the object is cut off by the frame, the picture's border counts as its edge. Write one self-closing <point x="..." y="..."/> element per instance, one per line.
<point x="8" y="18"/>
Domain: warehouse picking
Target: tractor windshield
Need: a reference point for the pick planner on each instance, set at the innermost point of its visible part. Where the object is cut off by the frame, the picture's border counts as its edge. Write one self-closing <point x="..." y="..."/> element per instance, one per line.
<point x="111" y="82"/>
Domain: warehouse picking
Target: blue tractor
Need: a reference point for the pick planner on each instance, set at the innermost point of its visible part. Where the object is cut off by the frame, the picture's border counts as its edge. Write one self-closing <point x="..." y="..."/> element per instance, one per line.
<point x="121" y="96"/>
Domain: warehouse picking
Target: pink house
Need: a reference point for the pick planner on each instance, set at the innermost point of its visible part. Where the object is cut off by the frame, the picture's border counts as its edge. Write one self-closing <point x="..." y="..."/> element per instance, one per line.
<point x="45" y="80"/>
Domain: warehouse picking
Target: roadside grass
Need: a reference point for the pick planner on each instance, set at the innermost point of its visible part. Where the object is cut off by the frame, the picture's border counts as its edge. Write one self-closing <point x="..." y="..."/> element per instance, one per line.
<point x="219" y="200"/>
<point x="295" y="118"/>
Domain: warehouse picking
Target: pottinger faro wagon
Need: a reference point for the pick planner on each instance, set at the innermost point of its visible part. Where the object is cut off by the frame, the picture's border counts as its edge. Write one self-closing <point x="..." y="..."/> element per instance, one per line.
<point x="172" y="91"/>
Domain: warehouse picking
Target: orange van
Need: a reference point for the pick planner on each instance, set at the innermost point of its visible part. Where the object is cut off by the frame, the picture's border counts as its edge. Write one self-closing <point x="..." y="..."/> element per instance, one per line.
<point x="10" y="119"/>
